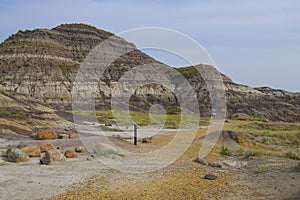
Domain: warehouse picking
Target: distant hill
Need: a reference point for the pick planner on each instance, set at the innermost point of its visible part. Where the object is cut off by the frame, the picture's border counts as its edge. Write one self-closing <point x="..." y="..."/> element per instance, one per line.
<point x="43" y="64"/>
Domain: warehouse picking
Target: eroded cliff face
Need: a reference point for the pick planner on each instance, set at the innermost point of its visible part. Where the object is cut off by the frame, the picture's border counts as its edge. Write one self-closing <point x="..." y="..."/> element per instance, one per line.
<point x="44" y="63"/>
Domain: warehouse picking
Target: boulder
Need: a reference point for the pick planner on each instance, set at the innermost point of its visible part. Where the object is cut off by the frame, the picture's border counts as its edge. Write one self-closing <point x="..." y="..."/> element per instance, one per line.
<point x="63" y="136"/>
<point x="74" y="136"/>
<point x="32" y="151"/>
<point x="54" y="155"/>
<point x="80" y="149"/>
<point x="16" y="155"/>
<point x="201" y="161"/>
<point x="70" y="153"/>
<point x="46" y="146"/>
<point x="46" y="135"/>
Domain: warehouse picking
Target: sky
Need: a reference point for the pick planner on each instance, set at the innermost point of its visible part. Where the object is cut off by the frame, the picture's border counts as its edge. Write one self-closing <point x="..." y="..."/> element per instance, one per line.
<point x="255" y="42"/>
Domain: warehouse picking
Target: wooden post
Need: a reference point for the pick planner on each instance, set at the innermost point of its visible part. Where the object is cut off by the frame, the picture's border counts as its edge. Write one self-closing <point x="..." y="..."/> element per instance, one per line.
<point x="135" y="134"/>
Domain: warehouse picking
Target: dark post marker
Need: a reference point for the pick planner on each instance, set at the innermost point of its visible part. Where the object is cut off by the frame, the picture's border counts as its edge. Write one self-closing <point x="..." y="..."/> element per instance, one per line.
<point x="135" y="134"/>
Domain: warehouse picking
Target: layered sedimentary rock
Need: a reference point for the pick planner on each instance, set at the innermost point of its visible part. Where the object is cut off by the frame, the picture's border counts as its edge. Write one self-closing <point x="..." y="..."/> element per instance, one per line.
<point x="44" y="64"/>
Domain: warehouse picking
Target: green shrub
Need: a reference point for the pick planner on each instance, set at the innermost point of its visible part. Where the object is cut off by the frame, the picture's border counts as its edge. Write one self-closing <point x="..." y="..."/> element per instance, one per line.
<point x="224" y="151"/>
<point x="296" y="142"/>
<point x="9" y="148"/>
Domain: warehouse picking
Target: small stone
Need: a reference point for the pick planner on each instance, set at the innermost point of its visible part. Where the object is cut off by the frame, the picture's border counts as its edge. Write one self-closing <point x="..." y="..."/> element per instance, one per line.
<point x="74" y="136"/>
<point x="80" y="149"/>
<point x="46" y="146"/>
<point x="32" y="151"/>
<point x="201" y="161"/>
<point x="121" y="155"/>
<point x="2" y="162"/>
<point x="210" y="177"/>
<point x="16" y="155"/>
<point x="63" y="136"/>
<point x="70" y="153"/>
<point x="91" y="157"/>
<point x="44" y="161"/>
<point x="215" y="164"/>
<point x="147" y="140"/>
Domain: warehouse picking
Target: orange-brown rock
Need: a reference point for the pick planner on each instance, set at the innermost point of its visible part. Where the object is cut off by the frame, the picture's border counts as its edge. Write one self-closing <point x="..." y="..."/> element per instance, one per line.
<point x="70" y="153"/>
<point x="74" y="135"/>
<point x="46" y="135"/>
<point x="45" y="146"/>
<point x="32" y="151"/>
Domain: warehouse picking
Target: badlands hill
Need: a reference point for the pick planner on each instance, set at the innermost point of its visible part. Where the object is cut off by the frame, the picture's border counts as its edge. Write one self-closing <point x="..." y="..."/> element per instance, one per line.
<point x="42" y="64"/>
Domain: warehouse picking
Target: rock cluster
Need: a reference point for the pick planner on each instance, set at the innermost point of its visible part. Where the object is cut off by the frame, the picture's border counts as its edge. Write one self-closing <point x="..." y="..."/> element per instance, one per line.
<point x="45" y="151"/>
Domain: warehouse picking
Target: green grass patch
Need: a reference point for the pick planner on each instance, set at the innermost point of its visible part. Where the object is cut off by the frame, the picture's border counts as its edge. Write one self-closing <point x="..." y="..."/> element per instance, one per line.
<point x="271" y="133"/>
<point x="187" y="71"/>
<point x="170" y="121"/>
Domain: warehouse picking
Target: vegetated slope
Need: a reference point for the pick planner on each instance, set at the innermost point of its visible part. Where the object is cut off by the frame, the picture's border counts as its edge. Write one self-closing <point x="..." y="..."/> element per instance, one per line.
<point x="44" y="63"/>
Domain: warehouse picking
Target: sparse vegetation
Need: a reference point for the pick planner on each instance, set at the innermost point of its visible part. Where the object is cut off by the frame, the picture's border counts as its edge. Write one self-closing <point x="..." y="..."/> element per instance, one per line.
<point x="260" y="170"/>
<point x="5" y="112"/>
<point x="172" y="121"/>
<point x="187" y="71"/>
<point x="224" y="151"/>
<point x="284" y="134"/>
<point x="20" y="115"/>
<point x="297" y="167"/>
<point x="292" y="155"/>
<point x="173" y="110"/>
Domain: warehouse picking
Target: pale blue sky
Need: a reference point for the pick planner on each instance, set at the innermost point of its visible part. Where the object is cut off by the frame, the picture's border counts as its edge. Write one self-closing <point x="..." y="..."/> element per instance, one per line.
<point x="254" y="42"/>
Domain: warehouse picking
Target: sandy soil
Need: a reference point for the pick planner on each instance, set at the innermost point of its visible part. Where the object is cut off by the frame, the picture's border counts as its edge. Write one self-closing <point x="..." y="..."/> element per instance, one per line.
<point x="260" y="178"/>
